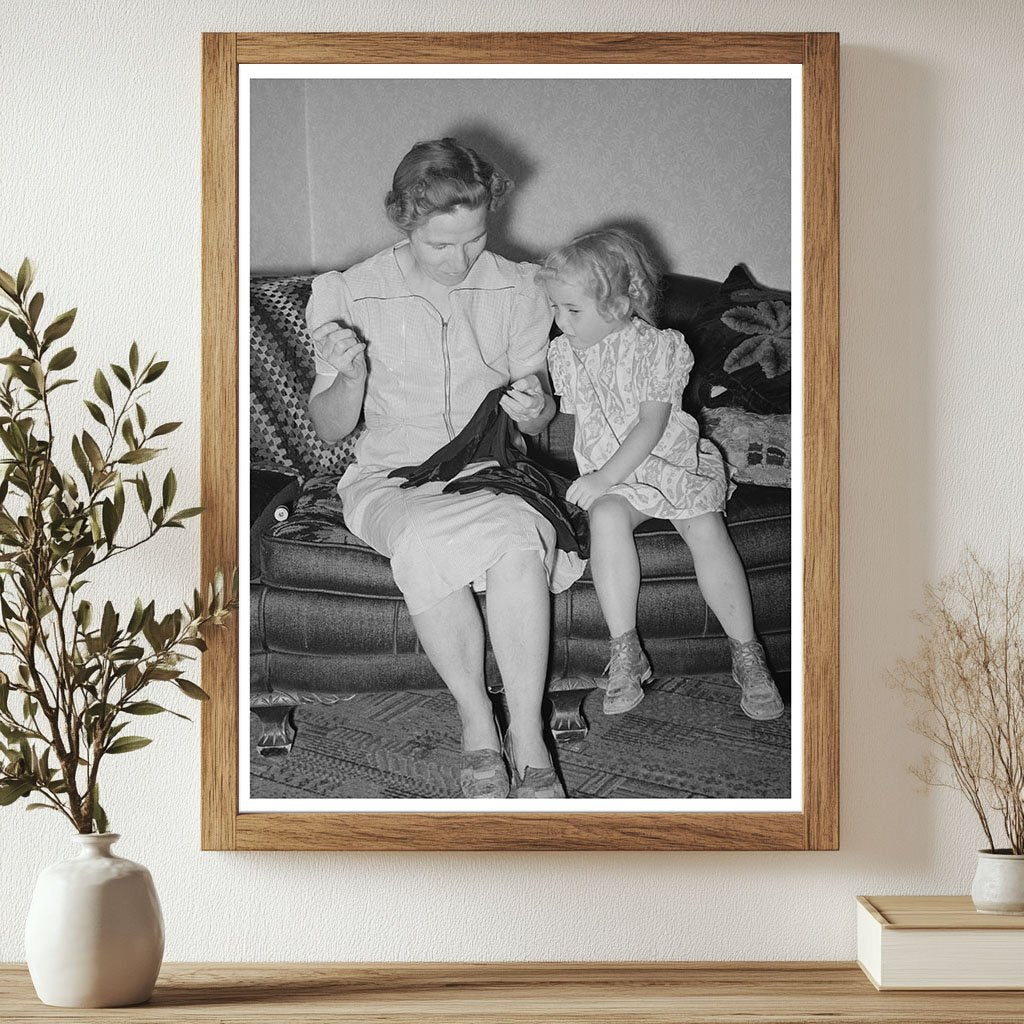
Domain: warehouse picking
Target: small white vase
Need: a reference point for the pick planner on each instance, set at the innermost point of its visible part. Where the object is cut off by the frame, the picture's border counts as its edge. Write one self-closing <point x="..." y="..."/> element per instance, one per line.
<point x="999" y="882"/>
<point x="95" y="934"/>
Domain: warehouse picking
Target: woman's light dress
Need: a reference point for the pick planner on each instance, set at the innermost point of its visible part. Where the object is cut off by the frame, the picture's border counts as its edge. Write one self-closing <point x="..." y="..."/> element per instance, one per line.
<point x="427" y="374"/>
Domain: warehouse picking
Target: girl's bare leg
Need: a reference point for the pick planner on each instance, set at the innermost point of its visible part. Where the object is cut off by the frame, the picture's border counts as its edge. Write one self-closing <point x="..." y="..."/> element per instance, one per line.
<point x="614" y="563"/>
<point x="720" y="573"/>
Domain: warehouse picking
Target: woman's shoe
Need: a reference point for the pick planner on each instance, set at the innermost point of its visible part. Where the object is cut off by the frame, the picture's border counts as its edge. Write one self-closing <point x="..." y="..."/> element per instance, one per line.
<point x="628" y="669"/>
<point x="535" y="783"/>
<point x="759" y="696"/>
<point x="483" y="775"/>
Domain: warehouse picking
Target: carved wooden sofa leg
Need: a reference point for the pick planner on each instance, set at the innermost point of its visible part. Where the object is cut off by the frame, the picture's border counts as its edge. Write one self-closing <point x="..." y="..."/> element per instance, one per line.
<point x="566" y="719"/>
<point x="276" y="733"/>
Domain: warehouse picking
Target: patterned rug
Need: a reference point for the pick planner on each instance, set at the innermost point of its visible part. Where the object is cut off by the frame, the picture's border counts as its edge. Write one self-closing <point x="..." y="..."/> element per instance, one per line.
<point x="687" y="739"/>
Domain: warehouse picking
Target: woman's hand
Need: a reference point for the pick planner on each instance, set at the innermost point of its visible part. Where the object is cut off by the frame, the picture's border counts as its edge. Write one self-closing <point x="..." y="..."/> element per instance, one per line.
<point x="585" y="490"/>
<point x="525" y="399"/>
<point x="339" y="347"/>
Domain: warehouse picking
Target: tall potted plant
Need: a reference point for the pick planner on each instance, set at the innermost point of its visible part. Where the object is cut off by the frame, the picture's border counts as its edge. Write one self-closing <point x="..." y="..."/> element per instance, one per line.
<point x="78" y="671"/>
<point x="967" y="681"/>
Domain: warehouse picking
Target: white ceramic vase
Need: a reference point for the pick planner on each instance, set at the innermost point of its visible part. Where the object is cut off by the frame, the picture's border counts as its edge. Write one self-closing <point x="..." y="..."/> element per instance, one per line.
<point x="999" y="882"/>
<point x="95" y="933"/>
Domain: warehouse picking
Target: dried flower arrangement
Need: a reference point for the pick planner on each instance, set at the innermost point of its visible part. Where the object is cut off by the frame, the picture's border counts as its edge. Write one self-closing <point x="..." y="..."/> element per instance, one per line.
<point x="967" y="678"/>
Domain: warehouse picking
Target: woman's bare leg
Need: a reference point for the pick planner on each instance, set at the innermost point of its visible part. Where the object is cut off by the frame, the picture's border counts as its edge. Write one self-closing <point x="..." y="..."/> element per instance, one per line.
<point x="452" y="636"/>
<point x="519" y="623"/>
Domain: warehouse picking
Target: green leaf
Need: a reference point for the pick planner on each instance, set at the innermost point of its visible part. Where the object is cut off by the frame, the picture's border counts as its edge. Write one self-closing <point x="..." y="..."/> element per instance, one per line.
<point x="108" y="627"/>
<point x="92" y="449"/>
<point x="144" y="707"/>
<point x="185" y="513"/>
<point x="129" y="653"/>
<point x="191" y="690"/>
<point x="35" y="308"/>
<point x="140" y="415"/>
<point x="102" y="388"/>
<point x="8" y="284"/>
<point x="26" y="273"/>
<point x="42" y="807"/>
<point x="154" y="371"/>
<point x="170" y="487"/>
<point x="4" y="314"/>
<point x="109" y="521"/>
<point x="133" y="358"/>
<point x="60" y="326"/>
<point x="137" y="617"/>
<point x="99" y="817"/>
<point x="165" y="428"/>
<point x="126" y="744"/>
<point x="145" y="497"/>
<point x="63" y="359"/>
<point x="20" y="328"/>
<point x="95" y="412"/>
<point x="83" y="613"/>
<point x="121" y="374"/>
<point x="128" y="433"/>
<point x="81" y="461"/>
<point x="138" y="455"/>
<point x="14" y="790"/>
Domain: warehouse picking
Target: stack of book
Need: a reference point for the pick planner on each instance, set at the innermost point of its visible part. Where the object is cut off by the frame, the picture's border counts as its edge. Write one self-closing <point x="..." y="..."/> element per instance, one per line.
<point x="906" y="942"/>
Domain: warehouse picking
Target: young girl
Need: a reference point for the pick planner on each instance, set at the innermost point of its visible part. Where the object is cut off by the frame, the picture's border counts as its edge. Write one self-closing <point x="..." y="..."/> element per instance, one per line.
<point x="641" y="456"/>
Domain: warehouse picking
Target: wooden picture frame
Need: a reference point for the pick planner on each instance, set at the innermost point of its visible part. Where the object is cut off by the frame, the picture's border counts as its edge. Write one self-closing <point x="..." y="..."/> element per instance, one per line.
<point x="816" y="825"/>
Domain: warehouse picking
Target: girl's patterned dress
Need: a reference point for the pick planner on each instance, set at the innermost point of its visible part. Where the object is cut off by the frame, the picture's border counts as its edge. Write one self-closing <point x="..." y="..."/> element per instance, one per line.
<point x="603" y="386"/>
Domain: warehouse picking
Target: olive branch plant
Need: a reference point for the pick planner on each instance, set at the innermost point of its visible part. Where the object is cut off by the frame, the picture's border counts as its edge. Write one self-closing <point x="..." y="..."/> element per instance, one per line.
<point x="80" y="674"/>
<point x="967" y="682"/>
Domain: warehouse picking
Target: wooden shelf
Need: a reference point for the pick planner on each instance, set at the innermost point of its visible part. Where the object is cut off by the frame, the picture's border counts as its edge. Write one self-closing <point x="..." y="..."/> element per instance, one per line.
<point x="523" y="993"/>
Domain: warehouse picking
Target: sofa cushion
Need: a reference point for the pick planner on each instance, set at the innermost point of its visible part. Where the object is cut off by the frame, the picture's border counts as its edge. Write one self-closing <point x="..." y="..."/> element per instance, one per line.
<point x="757" y="449"/>
<point x="743" y="336"/>
<point x="314" y="550"/>
<point x="281" y="373"/>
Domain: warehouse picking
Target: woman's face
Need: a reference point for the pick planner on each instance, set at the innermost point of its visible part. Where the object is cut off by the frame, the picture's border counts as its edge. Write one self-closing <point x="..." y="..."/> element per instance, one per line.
<point x="446" y="245"/>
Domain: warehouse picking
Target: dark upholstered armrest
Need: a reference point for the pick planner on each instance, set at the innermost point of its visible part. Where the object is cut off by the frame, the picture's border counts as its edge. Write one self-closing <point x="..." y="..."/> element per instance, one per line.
<point x="268" y="491"/>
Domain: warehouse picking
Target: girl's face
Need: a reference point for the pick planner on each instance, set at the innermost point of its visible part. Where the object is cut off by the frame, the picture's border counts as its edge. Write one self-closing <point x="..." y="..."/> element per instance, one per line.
<point x="577" y="315"/>
<point x="446" y="245"/>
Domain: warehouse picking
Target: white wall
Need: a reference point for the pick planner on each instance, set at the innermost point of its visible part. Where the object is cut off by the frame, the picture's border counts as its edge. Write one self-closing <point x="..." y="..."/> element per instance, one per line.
<point x="701" y="168"/>
<point x="101" y="184"/>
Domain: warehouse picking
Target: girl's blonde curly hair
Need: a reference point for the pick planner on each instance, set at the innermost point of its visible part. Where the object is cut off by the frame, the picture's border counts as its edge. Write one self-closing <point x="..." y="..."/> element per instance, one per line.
<point x="611" y="265"/>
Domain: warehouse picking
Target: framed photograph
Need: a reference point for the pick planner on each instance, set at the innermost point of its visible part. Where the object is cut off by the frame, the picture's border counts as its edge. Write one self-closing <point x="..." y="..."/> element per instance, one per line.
<point x="520" y="375"/>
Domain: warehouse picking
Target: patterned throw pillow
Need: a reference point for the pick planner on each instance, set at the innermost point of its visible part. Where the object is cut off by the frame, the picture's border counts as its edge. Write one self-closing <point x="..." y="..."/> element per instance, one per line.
<point x="743" y="334"/>
<point x="757" y="449"/>
<point x="281" y="373"/>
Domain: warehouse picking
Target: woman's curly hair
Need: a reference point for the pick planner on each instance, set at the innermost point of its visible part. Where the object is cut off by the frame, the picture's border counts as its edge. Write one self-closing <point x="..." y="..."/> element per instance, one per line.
<point x="611" y="265"/>
<point x="439" y="176"/>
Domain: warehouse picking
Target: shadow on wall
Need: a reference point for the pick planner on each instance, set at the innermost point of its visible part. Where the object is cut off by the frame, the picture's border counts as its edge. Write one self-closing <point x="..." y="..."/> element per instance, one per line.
<point x="518" y="166"/>
<point x="494" y="146"/>
<point x="887" y="206"/>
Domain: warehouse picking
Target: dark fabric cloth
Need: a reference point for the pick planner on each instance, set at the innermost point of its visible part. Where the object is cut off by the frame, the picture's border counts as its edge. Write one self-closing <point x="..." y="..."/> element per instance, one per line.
<point x="491" y="434"/>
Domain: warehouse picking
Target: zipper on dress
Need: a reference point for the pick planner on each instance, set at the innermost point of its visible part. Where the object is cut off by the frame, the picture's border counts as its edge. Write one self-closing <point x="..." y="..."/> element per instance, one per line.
<point x="447" y="380"/>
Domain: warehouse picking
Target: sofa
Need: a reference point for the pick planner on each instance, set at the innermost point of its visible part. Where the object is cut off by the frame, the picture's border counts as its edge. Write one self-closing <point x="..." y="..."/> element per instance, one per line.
<point x="326" y="619"/>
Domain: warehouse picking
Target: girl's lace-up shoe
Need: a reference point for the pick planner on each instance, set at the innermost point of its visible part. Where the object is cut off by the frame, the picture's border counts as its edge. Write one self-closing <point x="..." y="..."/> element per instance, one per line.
<point x="628" y="669"/>
<point x="759" y="696"/>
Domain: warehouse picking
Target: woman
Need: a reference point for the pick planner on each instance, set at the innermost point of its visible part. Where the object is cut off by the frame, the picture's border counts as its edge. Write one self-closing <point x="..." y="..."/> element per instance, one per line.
<point x="414" y="338"/>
